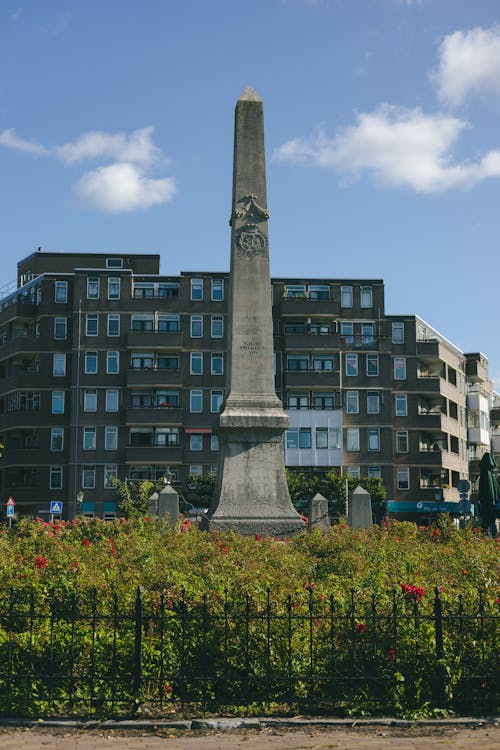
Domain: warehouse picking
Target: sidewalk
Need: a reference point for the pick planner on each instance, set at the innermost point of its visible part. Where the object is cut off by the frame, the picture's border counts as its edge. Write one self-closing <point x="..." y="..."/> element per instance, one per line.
<point x="266" y="738"/>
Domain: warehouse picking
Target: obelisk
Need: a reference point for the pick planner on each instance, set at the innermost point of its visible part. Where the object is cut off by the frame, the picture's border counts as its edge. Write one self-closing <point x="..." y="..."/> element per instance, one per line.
<point x="251" y="494"/>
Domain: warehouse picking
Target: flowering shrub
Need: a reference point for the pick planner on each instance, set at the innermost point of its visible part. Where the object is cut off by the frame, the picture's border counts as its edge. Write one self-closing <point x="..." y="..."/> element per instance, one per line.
<point x="331" y="597"/>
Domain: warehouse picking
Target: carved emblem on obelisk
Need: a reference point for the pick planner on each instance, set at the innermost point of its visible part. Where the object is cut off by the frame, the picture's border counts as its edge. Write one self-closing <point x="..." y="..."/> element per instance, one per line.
<point x="250" y="240"/>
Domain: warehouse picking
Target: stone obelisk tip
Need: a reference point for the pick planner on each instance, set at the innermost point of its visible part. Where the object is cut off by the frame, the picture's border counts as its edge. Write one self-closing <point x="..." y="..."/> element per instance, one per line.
<point x="249" y="95"/>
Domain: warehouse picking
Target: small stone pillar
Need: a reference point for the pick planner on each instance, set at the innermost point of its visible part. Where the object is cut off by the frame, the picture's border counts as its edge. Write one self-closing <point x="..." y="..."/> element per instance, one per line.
<point x="359" y="514"/>
<point x="165" y="504"/>
<point x="318" y="512"/>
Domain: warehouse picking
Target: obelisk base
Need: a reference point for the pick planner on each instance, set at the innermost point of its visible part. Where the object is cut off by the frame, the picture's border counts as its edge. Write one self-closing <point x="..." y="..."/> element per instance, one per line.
<point x="251" y="496"/>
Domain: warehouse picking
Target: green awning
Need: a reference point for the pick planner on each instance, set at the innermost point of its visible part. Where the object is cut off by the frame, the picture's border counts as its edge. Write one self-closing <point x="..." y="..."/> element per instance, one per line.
<point x="428" y="506"/>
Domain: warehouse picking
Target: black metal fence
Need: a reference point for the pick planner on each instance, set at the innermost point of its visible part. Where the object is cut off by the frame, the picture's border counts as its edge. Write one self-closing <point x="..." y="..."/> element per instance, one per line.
<point x="89" y="654"/>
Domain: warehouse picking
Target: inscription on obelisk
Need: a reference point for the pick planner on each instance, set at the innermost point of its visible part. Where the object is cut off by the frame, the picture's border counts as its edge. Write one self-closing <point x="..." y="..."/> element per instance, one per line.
<point x="251" y="494"/>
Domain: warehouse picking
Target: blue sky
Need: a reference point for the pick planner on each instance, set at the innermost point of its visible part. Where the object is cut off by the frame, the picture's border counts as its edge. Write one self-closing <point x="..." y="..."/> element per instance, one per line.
<point x="382" y="136"/>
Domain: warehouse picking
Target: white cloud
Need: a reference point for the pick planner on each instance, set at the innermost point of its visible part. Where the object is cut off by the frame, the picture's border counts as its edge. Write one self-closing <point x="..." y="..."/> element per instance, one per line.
<point x="126" y="184"/>
<point x="469" y="63"/>
<point x="10" y="139"/>
<point x="123" y="187"/>
<point x="138" y="147"/>
<point x="397" y="147"/>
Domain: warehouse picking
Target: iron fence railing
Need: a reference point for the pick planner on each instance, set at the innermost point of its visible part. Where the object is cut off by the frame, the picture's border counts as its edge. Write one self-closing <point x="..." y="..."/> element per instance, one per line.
<point x="86" y="653"/>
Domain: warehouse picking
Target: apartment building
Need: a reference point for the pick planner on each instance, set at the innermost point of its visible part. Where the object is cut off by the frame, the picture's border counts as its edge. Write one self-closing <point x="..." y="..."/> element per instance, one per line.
<point x="109" y="368"/>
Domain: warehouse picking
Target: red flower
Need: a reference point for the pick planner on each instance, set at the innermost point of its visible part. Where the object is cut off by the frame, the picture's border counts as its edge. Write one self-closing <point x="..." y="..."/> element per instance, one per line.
<point x="258" y="537"/>
<point x="86" y="542"/>
<point x="41" y="562"/>
<point x="147" y="519"/>
<point x="305" y="519"/>
<point x="391" y="654"/>
<point x="497" y="600"/>
<point x="74" y="565"/>
<point x="413" y="592"/>
<point x="168" y="689"/>
<point x="113" y="548"/>
<point x="361" y="628"/>
<point x="309" y="585"/>
<point x="465" y="572"/>
<point x="224" y="549"/>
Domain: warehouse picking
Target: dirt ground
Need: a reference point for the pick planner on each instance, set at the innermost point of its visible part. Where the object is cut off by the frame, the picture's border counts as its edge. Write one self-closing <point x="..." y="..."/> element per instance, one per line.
<point x="377" y="738"/>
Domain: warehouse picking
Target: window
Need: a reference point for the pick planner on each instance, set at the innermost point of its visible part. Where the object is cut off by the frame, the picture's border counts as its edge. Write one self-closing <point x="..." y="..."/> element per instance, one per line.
<point x="319" y="291"/>
<point x="196" y="326"/>
<point x="374" y="472"/>
<point x="56" y="439"/>
<point x="298" y="401"/>
<point x="90" y="400"/>
<point x="353" y="471"/>
<point x="91" y="325"/>
<point x="216" y="398"/>
<point x="299" y="437"/>
<point x="323" y="400"/>
<point x="168" y="324"/>
<point x="195" y="401"/>
<point x="89" y="438"/>
<point x="167" y="399"/>
<point x="367" y="333"/>
<point x="352" y="402"/>
<point x="196" y="363"/>
<point x="167" y="362"/>
<point x="113" y="325"/>
<point x="113" y="287"/>
<point x="297" y="362"/>
<point x="91" y="363"/>
<point x="214" y="443"/>
<point x="112" y="399"/>
<point x="403" y="477"/>
<point x="372" y="402"/>
<point x="114" y="262"/>
<point x="294" y="291"/>
<point x="217" y="326"/>
<point x="168" y="436"/>
<point x="196" y="442"/>
<point x="372" y="364"/>
<point x="110" y="474"/>
<point x="60" y="328"/>
<point x="398" y="332"/>
<point x="57" y="402"/>
<point x="61" y="292"/>
<point x="110" y="438"/>
<point x="323" y="362"/>
<point x="347" y="332"/>
<point x="217" y="290"/>
<point x="351" y="364"/>
<point x="366" y="296"/>
<point x="400" y="368"/>
<point x="319" y="329"/>
<point x="196" y="289"/>
<point x="401" y="441"/>
<point x="352" y="439"/>
<point x="93" y="287"/>
<point x="88" y="477"/>
<point x="55" y="477"/>
<point x="401" y="404"/>
<point x="373" y="439"/>
<point x="59" y="365"/>
<point x="112" y="362"/>
<point x="346" y="296"/>
<point x="142" y="323"/>
<point x="217" y="363"/>
<point x="327" y="438"/>
<point x="195" y="471"/>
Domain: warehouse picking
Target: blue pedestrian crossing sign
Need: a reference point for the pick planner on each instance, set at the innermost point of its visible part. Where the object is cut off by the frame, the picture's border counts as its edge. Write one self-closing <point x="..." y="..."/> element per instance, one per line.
<point x="10" y="511"/>
<point x="56" y="506"/>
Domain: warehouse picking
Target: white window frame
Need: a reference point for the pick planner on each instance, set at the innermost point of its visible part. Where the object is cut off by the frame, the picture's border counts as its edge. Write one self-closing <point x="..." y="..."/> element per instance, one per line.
<point x="113" y="318"/>
<point x="346" y="296"/>
<point x="214" y="357"/>
<point x="55" y="433"/>
<point x="87" y="394"/>
<point x="397" y="410"/>
<point x="196" y="441"/>
<point x="398" y="325"/>
<point x="373" y="434"/>
<point x="217" y="284"/>
<point x="217" y="326"/>
<point x="56" y="471"/>
<point x="373" y="358"/>
<point x="110" y="436"/>
<point x="110" y="470"/>
<point x="355" y="360"/>
<point x="352" y="439"/>
<point x="112" y="356"/>
<point x="89" y="433"/>
<point x="194" y="395"/>
<point x="399" y="361"/>
<point x="366" y="297"/>
<point x="90" y="320"/>
<point x="112" y="393"/>
<point x="88" y="357"/>
<point x="403" y="477"/>
<point x="196" y="284"/>
<point x="402" y="435"/>
<point x="196" y="363"/>
<point x="58" y="395"/>
<point x="196" y="320"/>
<point x="59" y="286"/>
<point x="57" y="370"/>
<point x="114" y="287"/>
<point x="352" y="402"/>
<point x="216" y="393"/>
<point x="60" y="322"/>
<point x="375" y="395"/>
<point x="93" y="281"/>
<point x="88" y="472"/>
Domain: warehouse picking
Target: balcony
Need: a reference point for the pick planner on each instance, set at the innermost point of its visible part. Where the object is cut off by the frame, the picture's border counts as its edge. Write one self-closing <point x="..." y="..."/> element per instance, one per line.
<point x="18" y="306"/>
<point x="154" y="415"/>
<point x="430" y="349"/>
<point x="153" y="454"/>
<point x="153" y="376"/>
<point x="148" y="340"/>
<point x="26" y="344"/>
<point x="449" y="495"/>
<point x="312" y="378"/>
<point x="495" y="416"/>
<point x="307" y="307"/>
<point x="355" y="342"/>
<point x="310" y="341"/>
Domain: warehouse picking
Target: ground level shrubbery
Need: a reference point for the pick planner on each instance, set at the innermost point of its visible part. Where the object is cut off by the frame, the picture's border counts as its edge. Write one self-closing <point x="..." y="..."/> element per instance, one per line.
<point x="396" y="619"/>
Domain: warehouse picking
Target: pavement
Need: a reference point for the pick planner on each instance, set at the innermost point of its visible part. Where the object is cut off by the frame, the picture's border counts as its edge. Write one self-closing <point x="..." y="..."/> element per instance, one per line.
<point x="286" y="736"/>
